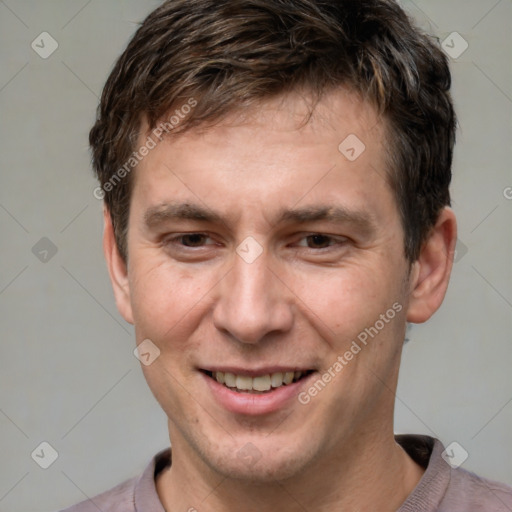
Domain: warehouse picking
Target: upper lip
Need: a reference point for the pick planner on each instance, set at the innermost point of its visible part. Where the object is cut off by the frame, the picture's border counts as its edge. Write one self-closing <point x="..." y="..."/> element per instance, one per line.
<point x="255" y="372"/>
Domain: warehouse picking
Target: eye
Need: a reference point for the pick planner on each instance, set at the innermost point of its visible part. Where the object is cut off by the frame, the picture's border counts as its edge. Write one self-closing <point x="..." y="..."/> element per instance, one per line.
<point x="193" y="239"/>
<point x="189" y="240"/>
<point x="193" y="247"/>
<point x="320" y="241"/>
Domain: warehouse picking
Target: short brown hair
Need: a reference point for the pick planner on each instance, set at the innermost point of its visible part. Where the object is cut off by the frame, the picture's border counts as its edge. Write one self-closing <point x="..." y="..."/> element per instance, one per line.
<point x="227" y="54"/>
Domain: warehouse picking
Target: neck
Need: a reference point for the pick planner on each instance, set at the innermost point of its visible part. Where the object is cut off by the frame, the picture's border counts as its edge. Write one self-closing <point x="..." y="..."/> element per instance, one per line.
<point x="367" y="473"/>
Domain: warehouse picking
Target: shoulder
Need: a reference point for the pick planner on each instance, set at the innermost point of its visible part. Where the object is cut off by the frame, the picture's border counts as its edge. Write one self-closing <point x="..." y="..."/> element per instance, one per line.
<point x="119" y="499"/>
<point x="481" y="494"/>
<point x="138" y="493"/>
<point x="447" y="488"/>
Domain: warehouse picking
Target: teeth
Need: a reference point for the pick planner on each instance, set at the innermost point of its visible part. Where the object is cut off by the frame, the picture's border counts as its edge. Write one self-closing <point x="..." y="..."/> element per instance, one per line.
<point x="244" y="383"/>
<point x="261" y="383"/>
<point x="288" y="378"/>
<point x="229" y="379"/>
<point x="276" y="379"/>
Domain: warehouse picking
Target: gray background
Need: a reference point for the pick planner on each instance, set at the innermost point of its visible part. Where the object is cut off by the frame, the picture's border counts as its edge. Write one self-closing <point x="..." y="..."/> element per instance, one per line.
<point x="68" y="374"/>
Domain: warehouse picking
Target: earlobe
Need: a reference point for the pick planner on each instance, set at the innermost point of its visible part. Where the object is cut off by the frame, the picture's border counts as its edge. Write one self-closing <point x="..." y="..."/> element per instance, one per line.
<point x="431" y="272"/>
<point x="117" y="269"/>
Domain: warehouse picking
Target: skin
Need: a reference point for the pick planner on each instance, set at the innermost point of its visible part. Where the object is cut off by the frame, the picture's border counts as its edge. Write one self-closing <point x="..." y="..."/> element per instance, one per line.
<point x="300" y="303"/>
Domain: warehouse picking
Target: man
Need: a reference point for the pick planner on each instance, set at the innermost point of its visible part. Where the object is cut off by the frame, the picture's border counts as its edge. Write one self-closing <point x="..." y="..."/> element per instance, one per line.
<point x="275" y="176"/>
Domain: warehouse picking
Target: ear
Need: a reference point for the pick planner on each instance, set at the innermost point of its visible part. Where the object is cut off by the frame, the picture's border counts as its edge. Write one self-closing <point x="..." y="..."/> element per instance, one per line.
<point x="431" y="271"/>
<point x="117" y="269"/>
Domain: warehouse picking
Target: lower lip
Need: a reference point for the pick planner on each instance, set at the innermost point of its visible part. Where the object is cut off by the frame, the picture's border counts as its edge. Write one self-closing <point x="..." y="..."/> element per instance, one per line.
<point x="255" y="404"/>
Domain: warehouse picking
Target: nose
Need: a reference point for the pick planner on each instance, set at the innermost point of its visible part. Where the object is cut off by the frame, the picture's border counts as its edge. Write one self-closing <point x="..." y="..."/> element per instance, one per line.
<point x="253" y="302"/>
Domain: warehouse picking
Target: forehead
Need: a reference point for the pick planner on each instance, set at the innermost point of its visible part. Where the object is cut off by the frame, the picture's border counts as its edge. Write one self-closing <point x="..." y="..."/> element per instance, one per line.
<point x="280" y="152"/>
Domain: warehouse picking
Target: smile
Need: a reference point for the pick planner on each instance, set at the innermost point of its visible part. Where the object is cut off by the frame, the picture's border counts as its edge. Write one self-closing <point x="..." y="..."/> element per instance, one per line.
<point x="257" y="384"/>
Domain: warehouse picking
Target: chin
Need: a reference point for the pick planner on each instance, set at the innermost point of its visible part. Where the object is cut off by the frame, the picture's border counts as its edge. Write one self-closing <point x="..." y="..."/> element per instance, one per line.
<point x="257" y="462"/>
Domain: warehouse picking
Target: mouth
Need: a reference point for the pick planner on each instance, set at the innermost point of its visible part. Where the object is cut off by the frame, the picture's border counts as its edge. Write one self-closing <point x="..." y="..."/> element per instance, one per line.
<point x="257" y="384"/>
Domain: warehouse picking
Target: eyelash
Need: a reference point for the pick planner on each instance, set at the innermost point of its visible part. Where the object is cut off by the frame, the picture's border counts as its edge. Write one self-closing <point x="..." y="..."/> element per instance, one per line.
<point x="332" y="240"/>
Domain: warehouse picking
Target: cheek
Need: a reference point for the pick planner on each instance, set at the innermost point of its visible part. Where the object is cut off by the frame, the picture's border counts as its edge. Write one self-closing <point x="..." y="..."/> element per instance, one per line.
<point x="349" y="298"/>
<point x="165" y="300"/>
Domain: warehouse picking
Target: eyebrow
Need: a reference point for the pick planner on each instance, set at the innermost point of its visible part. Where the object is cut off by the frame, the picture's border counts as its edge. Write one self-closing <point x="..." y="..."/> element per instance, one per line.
<point x="157" y="215"/>
<point x="335" y="214"/>
<point x="361" y="220"/>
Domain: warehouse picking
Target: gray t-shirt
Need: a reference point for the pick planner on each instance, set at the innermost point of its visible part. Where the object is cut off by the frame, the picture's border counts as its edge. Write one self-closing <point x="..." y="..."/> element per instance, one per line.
<point x="441" y="488"/>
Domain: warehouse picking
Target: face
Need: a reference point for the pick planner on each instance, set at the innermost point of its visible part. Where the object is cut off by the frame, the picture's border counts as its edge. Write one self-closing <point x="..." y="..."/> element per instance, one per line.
<point x="259" y="252"/>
